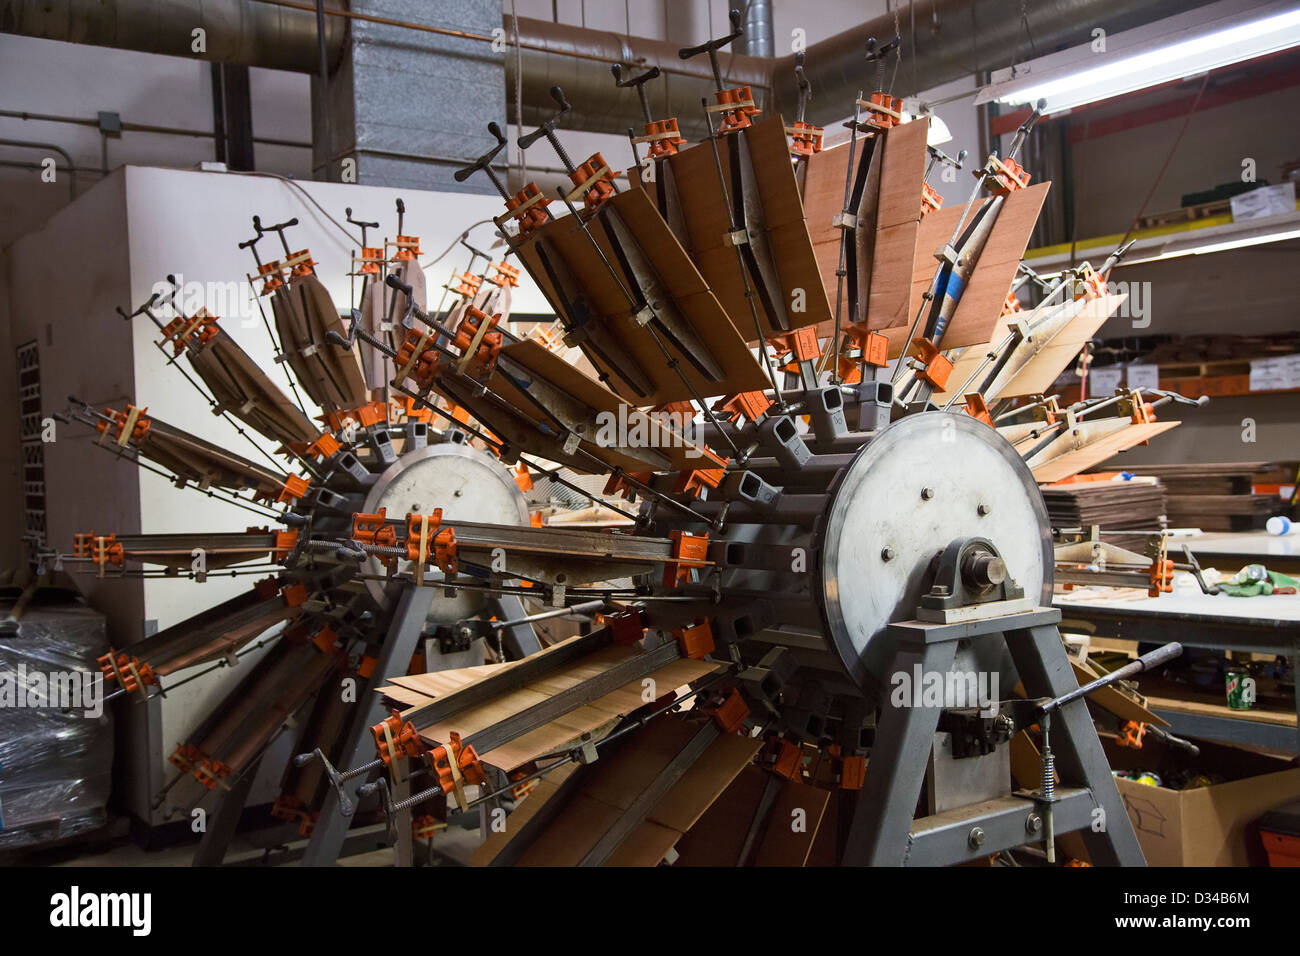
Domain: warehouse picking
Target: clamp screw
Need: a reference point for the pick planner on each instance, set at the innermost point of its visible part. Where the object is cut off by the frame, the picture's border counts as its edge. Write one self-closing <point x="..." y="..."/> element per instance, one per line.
<point x="927" y="494"/>
<point x="1033" y="823"/>
<point x="976" y="837"/>
<point x="982" y="510"/>
<point x="886" y="554"/>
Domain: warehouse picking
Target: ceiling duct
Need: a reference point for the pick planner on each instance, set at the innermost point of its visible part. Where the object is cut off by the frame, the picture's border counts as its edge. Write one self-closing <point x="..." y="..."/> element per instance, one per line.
<point x="942" y="41"/>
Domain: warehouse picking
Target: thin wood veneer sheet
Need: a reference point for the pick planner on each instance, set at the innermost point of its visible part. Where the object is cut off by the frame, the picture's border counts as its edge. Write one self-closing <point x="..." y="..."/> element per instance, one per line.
<point x="583" y="719"/>
<point x="1073" y="462"/>
<point x="708" y="223"/>
<point x="823" y="200"/>
<point x="562" y="245"/>
<point x="239" y="385"/>
<point x="1040" y="372"/>
<point x="981" y="303"/>
<point x="544" y="364"/>
<point x="718" y="838"/>
<point x="897" y="220"/>
<point x="304" y="316"/>
<point x="611" y="786"/>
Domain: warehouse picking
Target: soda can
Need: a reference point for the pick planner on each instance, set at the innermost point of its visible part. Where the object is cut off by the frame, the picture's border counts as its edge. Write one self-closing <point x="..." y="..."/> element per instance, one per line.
<point x="1240" y="687"/>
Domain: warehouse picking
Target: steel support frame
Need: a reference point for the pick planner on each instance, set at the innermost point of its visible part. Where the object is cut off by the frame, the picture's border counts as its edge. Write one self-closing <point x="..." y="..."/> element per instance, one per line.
<point x="883" y="831"/>
<point x="393" y="660"/>
<point x="650" y="796"/>
<point x="224" y="819"/>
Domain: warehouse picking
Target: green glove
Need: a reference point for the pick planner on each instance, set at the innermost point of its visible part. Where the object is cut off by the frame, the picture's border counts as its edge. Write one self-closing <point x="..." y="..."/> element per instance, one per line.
<point x="1254" y="580"/>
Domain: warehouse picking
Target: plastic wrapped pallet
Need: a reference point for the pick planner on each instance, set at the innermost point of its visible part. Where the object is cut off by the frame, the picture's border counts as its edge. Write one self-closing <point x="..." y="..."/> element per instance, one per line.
<point x="56" y="737"/>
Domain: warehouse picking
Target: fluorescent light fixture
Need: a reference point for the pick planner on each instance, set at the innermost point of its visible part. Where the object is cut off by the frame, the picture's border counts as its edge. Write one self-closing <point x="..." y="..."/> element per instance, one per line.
<point x="1246" y="241"/>
<point x="1221" y="239"/>
<point x="1159" y="57"/>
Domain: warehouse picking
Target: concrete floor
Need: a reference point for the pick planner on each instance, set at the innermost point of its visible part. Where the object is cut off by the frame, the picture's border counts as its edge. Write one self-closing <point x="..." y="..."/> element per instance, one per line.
<point x="113" y="847"/>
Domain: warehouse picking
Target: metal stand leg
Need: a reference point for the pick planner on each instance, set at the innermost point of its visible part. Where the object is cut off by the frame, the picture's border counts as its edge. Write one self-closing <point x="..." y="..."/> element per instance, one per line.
<point x="1045" y="671"/>
<point x="224" y="819"/>
<point x="883" y="831"/>
<point x="394" y="658"/>
<point x="887" y="801"/>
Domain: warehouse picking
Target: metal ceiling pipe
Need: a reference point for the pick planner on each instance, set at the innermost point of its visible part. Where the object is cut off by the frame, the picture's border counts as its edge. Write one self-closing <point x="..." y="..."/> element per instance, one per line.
<point x="234" y="31"/>
<point x="942" y="41"/>
<point x="758" y="39"/>
<point x="946" y="40"/>
<point x="579" y="61"/>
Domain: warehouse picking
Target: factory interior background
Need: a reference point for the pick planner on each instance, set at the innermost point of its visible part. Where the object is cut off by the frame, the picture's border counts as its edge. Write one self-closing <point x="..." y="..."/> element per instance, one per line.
<point x="485" y="433"/>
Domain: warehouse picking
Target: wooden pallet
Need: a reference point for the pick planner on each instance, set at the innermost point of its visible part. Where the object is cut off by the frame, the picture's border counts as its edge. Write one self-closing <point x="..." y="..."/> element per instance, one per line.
<point x="1217" y="207"/>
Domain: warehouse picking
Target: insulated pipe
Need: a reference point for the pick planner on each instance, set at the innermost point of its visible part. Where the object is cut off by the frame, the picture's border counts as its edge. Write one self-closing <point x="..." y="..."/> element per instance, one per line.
<point x="246" y="32"/>
<point x="579" y="60"/>
<point x="951" y="39"/>
<point x="758" y="38"/>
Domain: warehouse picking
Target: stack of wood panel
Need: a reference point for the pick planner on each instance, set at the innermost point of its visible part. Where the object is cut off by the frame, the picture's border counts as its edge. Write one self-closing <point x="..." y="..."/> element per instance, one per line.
<point x="1137" y="505"/>
<point x="1214" y="497"/>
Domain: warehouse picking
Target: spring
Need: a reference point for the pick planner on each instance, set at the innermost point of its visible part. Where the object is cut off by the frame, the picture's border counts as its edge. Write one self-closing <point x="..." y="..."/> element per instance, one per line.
<point x="1049" y="774"/>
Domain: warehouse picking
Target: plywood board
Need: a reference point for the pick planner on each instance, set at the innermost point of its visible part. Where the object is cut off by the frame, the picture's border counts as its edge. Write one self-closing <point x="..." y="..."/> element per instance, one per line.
<point x="1037" y="375"/>
<point x="695" y="172"/>
<point x="718" y="837"/>
<point x="823" y="200"/>
<point x="560" y="732"/>
<point x="981" y="303"/>
<point x="898" y="225"/>
<point x="782" y="844"/>
<point x="605" y="281"/>
<point x="241" y="387"/>
<point x="304" y="316"/>
<point x="668" y="450"/>
<point x="1071" y="463"/>
<point x="612" y="785"/>
<point x="546" y="790"/>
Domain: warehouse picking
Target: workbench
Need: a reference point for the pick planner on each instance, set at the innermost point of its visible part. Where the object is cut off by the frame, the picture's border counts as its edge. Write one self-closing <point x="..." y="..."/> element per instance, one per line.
<point x="1229" y="552"/>
<point x="1263" y="625"/>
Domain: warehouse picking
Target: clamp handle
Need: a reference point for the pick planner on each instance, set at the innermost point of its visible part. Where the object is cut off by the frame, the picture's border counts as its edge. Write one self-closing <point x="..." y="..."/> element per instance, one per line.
<point x="485" y="160"/>
<point x="335" y="337"/>
<point x="877" y="52"/>
<point x="1199" y="574"/>
<point x="140" y="311"/>
<point x="801" y="75"/>
<point x="278" y="227"/>
<point x="1161" y="655"/>
<point x="710" y="46"/>
<point x="939" y="156"/>
<point x="346" y="806"/>
<point x="646" y="77"/>
<point x="356" y="222"/>
<point x="393" y="282"/>
<point x="548" y="127"/>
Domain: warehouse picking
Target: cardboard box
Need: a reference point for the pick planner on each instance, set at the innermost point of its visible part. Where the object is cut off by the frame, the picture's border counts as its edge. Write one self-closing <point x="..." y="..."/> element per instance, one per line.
<point x="1207" y="826"/>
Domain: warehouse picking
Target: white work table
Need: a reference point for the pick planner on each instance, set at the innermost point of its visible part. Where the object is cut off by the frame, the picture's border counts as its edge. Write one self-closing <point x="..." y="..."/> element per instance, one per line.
<point x="1265" y="625"/>
<point x="1230" y="551"/>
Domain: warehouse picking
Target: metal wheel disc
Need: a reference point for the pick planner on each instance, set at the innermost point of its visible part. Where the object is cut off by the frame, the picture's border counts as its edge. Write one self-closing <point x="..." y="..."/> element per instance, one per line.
<point x="880" y="531"/>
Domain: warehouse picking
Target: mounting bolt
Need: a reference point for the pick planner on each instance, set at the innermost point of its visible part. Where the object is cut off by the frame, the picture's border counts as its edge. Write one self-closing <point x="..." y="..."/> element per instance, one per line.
<point x="886" y="554"/>
<point x="1033" y="823"/>
<point x="976" y="838"/>
<point x="927" y="494"/>
<point x="982" y="510"/>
